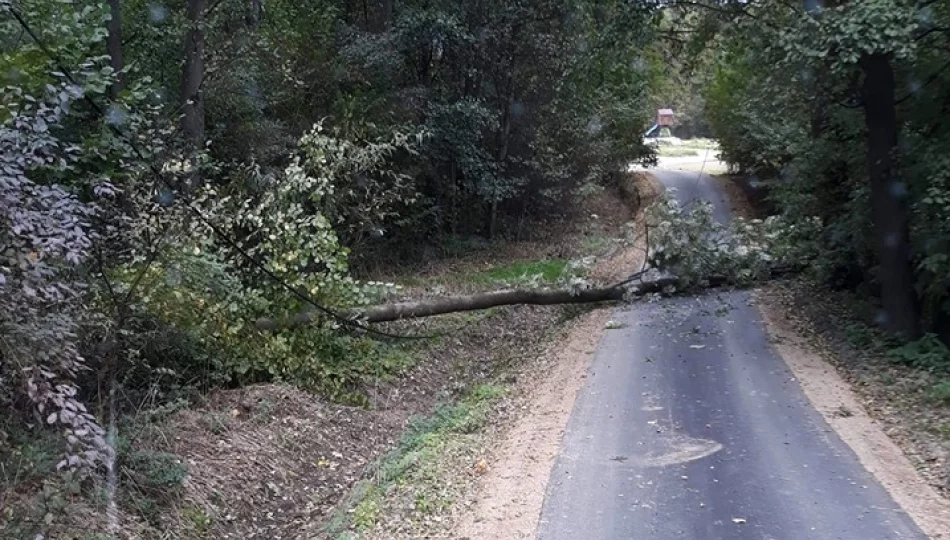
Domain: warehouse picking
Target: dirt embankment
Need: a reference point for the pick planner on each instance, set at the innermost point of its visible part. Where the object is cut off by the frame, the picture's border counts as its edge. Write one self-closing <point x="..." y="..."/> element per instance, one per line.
<point x="273" y="461"/>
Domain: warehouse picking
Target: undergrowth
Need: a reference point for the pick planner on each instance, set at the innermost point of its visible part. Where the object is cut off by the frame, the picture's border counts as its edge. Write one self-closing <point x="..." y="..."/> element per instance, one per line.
<point x="927" y="354"/>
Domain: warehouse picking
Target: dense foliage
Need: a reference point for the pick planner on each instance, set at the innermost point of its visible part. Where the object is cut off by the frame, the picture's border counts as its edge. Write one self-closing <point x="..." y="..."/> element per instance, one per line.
<point x="170" y="172"/>
<point x="689" y="243"/>
<point x="173" y="171"/>
<point x="840" y="108"/>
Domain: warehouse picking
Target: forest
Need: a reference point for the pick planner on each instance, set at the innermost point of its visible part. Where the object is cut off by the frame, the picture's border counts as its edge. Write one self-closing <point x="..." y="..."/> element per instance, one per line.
<point x="173" y="171"/>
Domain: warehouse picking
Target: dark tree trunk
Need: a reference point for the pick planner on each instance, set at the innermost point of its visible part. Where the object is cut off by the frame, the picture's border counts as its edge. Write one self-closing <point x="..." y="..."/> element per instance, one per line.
<point x="453" y="304"/>
<point x="114" y="48"/>
<point x="502" y="156"/>
<point x="192" y="75"/>
<point x="819" y="106"/>
<point x="382" y="15"/>
<point x="255" y="12"/>
<point x="453" y="198"/>
<point x="889" y="207"/>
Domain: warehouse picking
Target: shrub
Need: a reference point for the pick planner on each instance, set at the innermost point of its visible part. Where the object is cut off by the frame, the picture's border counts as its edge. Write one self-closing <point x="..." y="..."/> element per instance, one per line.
<point x="927" y="353"/>
<point x="940" y="392"/>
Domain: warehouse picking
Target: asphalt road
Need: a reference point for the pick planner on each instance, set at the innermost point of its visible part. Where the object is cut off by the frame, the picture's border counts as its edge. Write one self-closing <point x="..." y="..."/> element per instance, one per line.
<point x="690" y="426"/>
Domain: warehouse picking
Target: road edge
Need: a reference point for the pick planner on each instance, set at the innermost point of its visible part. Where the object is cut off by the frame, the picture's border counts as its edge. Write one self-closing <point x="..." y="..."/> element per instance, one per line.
<point x="508" y="500"/>
<point x="834" y="398"/>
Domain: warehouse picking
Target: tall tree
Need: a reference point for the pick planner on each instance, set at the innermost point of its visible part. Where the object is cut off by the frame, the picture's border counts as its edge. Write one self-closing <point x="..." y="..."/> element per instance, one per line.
<point x="114" y="48"/>
<point x="835" y="60"/>
<point x="890" y="213"/>
<point x="192" y="75"/>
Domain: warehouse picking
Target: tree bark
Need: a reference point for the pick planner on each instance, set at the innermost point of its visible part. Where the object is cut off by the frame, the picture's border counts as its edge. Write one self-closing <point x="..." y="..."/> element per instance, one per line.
<point x="255" y="12"/>
<point x="502" y="154"/>
<point x="192" y="75"/>
<point x="889" y="208"/>
<point x="453" y="304"/>
<point x="439" y="306"/>
<point x="114" y="48"/>
<point x="453" y="198"/>
<point x="382" y="16"/>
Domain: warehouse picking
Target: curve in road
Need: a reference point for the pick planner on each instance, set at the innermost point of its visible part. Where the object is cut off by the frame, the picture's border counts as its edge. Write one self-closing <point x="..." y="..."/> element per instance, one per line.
<point x="691" y="426"/>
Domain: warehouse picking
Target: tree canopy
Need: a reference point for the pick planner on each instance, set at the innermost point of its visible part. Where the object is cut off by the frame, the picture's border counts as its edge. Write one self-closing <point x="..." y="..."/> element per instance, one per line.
<point x="174" y="171"/>
<point x="171" y="172"/>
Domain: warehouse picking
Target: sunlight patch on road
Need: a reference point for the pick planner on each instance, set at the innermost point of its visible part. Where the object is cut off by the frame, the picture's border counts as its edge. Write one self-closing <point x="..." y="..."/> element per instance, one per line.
<point x="680" y="450"/>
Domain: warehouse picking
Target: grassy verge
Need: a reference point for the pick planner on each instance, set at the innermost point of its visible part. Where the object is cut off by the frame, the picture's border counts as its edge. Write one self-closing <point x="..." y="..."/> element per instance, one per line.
<point x="688" y="147"/>
<point x="408" y="485"/>
<point x="675" y="151"/>
<point x="700" y="143"/>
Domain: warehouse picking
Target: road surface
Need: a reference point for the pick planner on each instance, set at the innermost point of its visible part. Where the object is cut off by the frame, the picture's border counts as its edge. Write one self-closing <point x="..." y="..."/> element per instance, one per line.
<point x="691" y="427"/>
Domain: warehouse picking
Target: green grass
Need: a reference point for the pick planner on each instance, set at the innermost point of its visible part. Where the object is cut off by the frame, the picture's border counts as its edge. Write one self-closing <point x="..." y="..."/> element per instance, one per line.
<point x="689" y="147"/>
<point x="412" y="470"/>
<point x="546" y="271"/>
<point x="940" y="392"/>
<point x="927" y="353"/>
<point x="862" y="336"/>
<point x="675" y="151"/>
<point x="549" y="270"/>
<point x="700" y="143"/>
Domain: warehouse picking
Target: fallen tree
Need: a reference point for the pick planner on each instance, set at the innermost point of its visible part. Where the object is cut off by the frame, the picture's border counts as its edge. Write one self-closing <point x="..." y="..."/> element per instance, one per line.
<point x="472" y="302"/>
<point x="693" y="250"/>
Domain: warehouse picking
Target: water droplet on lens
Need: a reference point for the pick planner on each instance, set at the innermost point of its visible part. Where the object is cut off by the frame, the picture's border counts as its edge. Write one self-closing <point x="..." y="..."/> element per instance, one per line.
<point x="157" y="13"/>
<point x="898" y="189"/>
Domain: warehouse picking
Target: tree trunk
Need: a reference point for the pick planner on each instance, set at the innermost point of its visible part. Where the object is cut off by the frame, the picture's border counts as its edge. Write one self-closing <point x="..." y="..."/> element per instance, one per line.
<point x="819" y="106"/>
<point x="453" y="304"/>
<point x="255" y="12"/>
<point x="192" y="76"/>
<point x="114" y="48"/>
<point x="439" y="306"/>
<point x="502" y="156"/>
<point x="889" y="208"/>
<point x="453" y="198"/>
<point x="382" y="16"/>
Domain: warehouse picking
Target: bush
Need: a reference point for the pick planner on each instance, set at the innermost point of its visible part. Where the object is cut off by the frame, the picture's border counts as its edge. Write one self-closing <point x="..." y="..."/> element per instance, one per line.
<point x="928" y="353"/>
<point x="150" y="480"/>
<point x="940" y="392"/>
